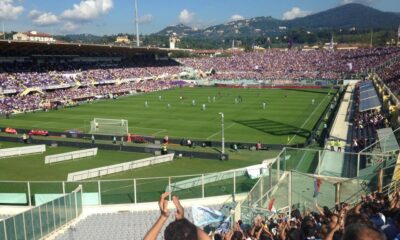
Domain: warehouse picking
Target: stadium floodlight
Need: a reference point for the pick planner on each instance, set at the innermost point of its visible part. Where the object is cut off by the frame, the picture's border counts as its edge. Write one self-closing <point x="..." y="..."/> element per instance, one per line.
<point x="137" y="24"/>
<point x="222" y="132"/>
<point x="4" y="33"/>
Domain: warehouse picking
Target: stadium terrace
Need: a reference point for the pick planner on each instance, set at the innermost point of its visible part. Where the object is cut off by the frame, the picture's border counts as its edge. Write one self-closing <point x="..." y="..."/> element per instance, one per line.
<point x="145" y="146"/>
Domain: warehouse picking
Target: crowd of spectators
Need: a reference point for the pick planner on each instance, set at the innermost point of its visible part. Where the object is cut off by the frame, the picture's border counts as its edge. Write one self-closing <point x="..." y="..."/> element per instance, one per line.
<point x="18" y="81"/>
<point x="275" y="64"/>
<point x="376" y="216"/>
<point x="10" y="104"/>
<point x="365" y="124"/>
<point x="391" y="77"/>
<point x="60" y="81"/>
<point x="17" y="103"/>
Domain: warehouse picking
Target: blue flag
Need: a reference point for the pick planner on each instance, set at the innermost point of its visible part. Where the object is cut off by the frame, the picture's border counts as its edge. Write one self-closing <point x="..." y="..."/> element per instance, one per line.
<point x="225" y="226"/>
<point x="204" y="215"/>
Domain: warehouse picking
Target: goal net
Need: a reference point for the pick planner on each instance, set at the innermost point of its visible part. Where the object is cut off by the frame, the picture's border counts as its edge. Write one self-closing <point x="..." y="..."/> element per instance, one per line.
<point x="109" y="126"/>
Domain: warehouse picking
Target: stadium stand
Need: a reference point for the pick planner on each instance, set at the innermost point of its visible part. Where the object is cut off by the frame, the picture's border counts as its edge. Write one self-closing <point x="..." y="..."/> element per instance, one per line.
<point x="28" y="86"/>
<point x="353" y="208"/>
<point x="120" y="225"/>
<point x="293" y="64"/>
<point x="390" y="76"/>
<point x="366" y="122"/>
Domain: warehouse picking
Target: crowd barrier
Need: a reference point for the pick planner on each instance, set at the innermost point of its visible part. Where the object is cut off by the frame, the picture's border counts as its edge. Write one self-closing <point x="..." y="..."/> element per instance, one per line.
<point x="18" y="151"/>
<point x="121" y="167"/>
<point x="42" y="220"/>
<point x="205" y="179"/>
<point x="70" y="155"/>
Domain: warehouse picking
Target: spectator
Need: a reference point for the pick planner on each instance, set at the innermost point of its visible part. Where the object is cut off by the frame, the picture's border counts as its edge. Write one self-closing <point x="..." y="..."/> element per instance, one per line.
<point x="180" y="229"/>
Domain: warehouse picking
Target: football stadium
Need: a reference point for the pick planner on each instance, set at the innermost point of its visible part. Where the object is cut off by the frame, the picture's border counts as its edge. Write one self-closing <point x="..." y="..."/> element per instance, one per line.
<point x="96" y="139"/>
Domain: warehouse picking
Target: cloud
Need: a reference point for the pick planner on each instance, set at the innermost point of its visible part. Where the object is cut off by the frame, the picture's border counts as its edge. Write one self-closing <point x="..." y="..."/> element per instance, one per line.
<point x="43" y="18"/>
<point x="69" y="27"/>
<point x="365" y="2"/>
<point x="236" y="17"/>
<point x="186" y="17"/>
<point x="147" y="18"/>
<point x="295" y="12"/>
<point x="88" y="10"/>
<point x="9" y="11"/>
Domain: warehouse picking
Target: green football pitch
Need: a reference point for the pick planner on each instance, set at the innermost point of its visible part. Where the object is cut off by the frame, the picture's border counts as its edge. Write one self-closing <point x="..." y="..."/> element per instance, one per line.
<point x="288" y="117"/>
<point x="32" y="167"/>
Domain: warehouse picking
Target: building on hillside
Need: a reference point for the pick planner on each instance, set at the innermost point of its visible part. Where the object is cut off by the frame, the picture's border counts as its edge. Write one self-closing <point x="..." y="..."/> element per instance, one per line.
<point x="123" y="39"/>
<point x="173" y="40"/>
<point x="33" y="36"/>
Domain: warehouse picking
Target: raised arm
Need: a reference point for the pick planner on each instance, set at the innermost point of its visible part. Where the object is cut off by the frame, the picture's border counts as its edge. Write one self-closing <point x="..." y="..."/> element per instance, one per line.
<point x="156" y="228"/>
<point x="180" y="214"/>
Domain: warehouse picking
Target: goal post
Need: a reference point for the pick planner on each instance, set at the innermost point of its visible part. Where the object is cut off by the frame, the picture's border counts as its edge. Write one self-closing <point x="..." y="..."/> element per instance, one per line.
<point x="109" y="126"/>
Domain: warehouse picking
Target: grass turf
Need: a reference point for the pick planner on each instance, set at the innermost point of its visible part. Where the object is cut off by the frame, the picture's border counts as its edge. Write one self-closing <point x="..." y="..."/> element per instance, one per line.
<point x="119" y="188"/>
<point x="32" y="167"/>
<point x="288" y="118"/>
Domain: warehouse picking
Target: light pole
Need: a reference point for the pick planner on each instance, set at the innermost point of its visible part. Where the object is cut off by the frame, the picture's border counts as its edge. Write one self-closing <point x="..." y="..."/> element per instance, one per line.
<point x="222" y="132"/>
<point x="137" y="25"/>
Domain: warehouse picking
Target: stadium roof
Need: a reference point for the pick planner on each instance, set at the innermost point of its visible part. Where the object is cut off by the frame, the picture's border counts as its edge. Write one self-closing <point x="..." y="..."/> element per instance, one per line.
<point x="368" y="98"/>
<point x="27" y="49"/>
<point x="387" y="140"/>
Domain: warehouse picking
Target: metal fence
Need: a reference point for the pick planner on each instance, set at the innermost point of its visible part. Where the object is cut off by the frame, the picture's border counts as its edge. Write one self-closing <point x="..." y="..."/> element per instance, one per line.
<point x="137" y="190"/>
<point x="293" y="178"/>
<point x="44" y="219"/>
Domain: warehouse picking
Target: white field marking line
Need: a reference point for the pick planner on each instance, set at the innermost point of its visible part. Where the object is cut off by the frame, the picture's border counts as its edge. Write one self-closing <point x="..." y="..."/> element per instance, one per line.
<point x="308" y="119"/>
<point x="213" y="135"/>
<point x="300" y="163"/>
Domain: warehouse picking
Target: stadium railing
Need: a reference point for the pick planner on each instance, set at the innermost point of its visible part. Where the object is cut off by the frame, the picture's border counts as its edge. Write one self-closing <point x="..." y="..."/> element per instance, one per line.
<point x="121" y="167"/>
<point x="18" y="151"/>
<point x="42" y="220"/>
<point x="137" y="190"/>
<point x="293" y="185"/>
<point x="70" y="155"/>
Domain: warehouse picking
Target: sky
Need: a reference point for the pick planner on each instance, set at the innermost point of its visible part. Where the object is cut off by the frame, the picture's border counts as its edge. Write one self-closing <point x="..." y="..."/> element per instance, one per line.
<point x="101" y="17"/>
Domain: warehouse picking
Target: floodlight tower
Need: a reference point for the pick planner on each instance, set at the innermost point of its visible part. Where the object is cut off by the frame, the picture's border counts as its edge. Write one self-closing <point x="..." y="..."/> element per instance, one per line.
<point x="137" y="24"/>
<point x="4" y="33"/>
<point x="222" y="132"/>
